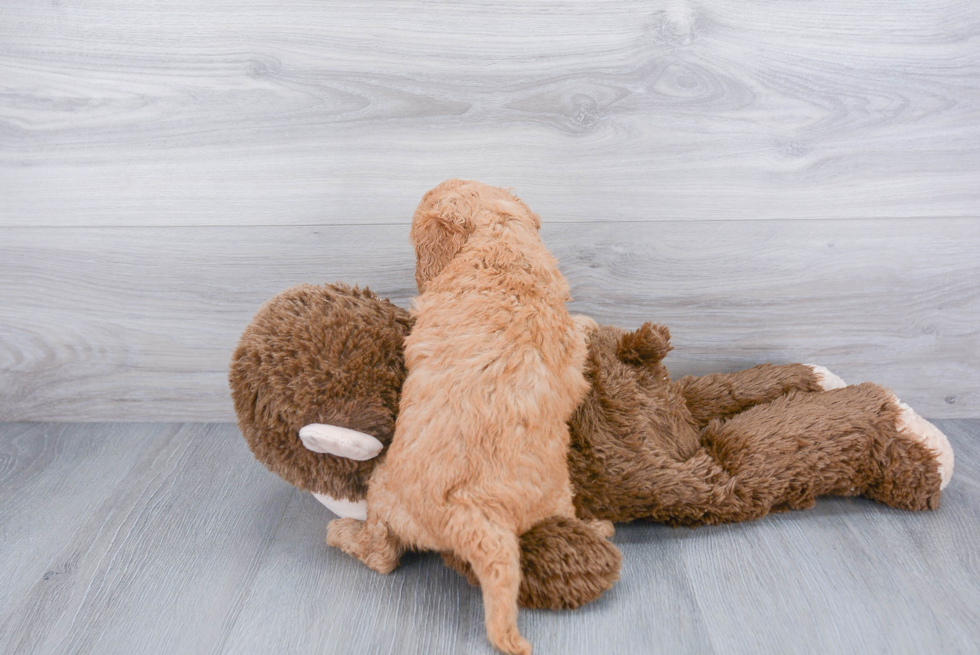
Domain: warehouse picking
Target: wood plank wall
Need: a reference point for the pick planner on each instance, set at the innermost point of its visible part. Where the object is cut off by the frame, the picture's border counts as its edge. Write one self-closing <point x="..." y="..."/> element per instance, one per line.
<point x="776" y="181"/>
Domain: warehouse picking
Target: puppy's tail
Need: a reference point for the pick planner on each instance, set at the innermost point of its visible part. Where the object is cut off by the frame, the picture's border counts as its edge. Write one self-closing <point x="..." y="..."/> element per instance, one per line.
<point x="494" y="556"/>
<point x="564" y="564"/>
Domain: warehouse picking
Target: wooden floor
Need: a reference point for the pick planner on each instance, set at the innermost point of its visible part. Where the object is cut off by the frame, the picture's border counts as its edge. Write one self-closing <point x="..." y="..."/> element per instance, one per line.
<point x="170" y="538"/>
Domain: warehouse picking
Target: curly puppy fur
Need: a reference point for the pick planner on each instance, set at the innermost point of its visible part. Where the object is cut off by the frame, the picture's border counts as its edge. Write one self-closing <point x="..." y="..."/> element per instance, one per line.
<point x="494" y="360"/>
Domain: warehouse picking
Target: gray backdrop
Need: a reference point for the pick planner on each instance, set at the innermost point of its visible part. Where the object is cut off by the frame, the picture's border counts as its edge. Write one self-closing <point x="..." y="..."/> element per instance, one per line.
<point x="776" y="181"/>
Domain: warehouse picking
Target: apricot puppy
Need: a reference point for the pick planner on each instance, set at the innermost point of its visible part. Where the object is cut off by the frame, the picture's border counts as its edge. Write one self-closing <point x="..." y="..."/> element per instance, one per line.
<point x="479" y="453"/>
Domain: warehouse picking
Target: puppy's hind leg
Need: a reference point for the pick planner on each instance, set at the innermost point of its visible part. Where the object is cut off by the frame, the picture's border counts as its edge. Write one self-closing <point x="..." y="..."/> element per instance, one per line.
<point x="371" y="542"/>
<point x="494" y="554"/>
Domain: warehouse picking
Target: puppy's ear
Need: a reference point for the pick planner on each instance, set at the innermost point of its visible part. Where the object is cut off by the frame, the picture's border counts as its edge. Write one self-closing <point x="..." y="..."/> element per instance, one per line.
<point x="439" y="229"/>
<point x="647" y="345"/>
<point x="514" y="206"/>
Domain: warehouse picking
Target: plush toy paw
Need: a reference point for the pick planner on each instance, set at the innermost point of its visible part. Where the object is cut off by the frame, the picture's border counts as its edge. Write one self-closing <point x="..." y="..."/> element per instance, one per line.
<point x="916" y="427"/>
<point x="826" y="379"/>
<point x="648" y="344"/>
<point x="335" y="440"/>
<point x="565" y="563"/>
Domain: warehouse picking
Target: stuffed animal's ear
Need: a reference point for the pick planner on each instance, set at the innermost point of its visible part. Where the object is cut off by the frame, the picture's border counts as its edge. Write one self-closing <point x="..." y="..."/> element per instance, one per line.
<point x="440" y="228"/>
<point x="647" y="345"/>
<point x="338" y="441"/>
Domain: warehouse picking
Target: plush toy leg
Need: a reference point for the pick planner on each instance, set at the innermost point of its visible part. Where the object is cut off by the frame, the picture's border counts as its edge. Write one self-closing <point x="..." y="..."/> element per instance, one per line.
<point x="914" y="426"/>
<point x="565" y="563"/>
<point x="370" y="542"/>
<point x="826" y="378"/>
<point x="720" y="395"/>
<point x="784" y="454"/>
<point x="493" y="553"/>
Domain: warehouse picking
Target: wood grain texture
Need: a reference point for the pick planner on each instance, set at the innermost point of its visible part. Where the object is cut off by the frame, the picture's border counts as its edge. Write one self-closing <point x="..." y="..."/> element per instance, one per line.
<point x="303" y="584"/>
<point x="70" y="469"/>
<point x="197" y="549"/>
<point x="163" y="563"/>
<point x="261" y="113"/>
<point x="140" y="323"/>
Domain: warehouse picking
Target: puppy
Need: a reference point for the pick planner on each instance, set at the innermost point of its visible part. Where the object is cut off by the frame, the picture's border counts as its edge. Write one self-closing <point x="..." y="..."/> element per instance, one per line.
<point x="479" y="453"/>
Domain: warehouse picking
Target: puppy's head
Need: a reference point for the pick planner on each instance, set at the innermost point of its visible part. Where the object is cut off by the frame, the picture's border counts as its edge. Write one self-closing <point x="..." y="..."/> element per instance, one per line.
<point x="450" y="213"/>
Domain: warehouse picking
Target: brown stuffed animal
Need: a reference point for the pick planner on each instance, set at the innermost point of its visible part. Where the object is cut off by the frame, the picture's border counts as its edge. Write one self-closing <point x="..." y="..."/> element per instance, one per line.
<point x="699" y="450"/>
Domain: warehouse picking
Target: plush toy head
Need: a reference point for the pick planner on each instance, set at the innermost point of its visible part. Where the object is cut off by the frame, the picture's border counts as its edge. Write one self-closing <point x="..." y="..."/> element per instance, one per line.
<point x="330" y="355"/>
<point x="333" y="355"/>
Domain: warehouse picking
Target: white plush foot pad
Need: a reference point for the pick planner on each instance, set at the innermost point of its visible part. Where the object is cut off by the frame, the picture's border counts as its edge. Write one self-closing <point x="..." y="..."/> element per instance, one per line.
<point x="826" y="378"/>
<point x="915" y="426"/>
<point x="345" y="509"/>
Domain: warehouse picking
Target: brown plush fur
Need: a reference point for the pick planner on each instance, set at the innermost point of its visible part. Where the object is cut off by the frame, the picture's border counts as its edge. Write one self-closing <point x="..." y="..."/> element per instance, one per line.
<point x="642" y="446"/>
<point x="494" y="361"/>
<point x="329" y="355"/>
<point x="563" y="565"/>
<point x="319" y="355"/>
<point x="717" y="448"/>
<point x="733" y="447"/>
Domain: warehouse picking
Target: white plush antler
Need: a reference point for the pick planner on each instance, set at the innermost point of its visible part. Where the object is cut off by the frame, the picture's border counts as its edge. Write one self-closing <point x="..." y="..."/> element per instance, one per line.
<point x="335" y="440"/>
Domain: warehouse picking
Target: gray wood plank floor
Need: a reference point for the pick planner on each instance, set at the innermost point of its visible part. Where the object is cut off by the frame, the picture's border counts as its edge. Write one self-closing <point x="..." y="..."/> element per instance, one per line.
<point x="170" y="538"/>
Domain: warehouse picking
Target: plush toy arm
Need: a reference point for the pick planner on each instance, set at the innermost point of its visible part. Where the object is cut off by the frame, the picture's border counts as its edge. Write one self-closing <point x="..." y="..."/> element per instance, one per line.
<point x="335" y="440"/>
<point x="720" y="395"/>
<point x="646" y="345"/>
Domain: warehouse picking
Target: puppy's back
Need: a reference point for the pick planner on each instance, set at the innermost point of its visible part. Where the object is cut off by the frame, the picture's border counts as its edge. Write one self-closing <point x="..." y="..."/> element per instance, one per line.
<point x="494" y="364"/>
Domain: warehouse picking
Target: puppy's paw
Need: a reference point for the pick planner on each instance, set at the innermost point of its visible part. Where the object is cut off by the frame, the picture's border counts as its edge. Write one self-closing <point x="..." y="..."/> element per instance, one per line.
<point x="914" y="426"/>
<point x="511" y="642"/>
<point x="341" y="533"/>
<point x="584" y="324"/>
<point x="826" y="379"/>
<point x="372" y="544"/>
